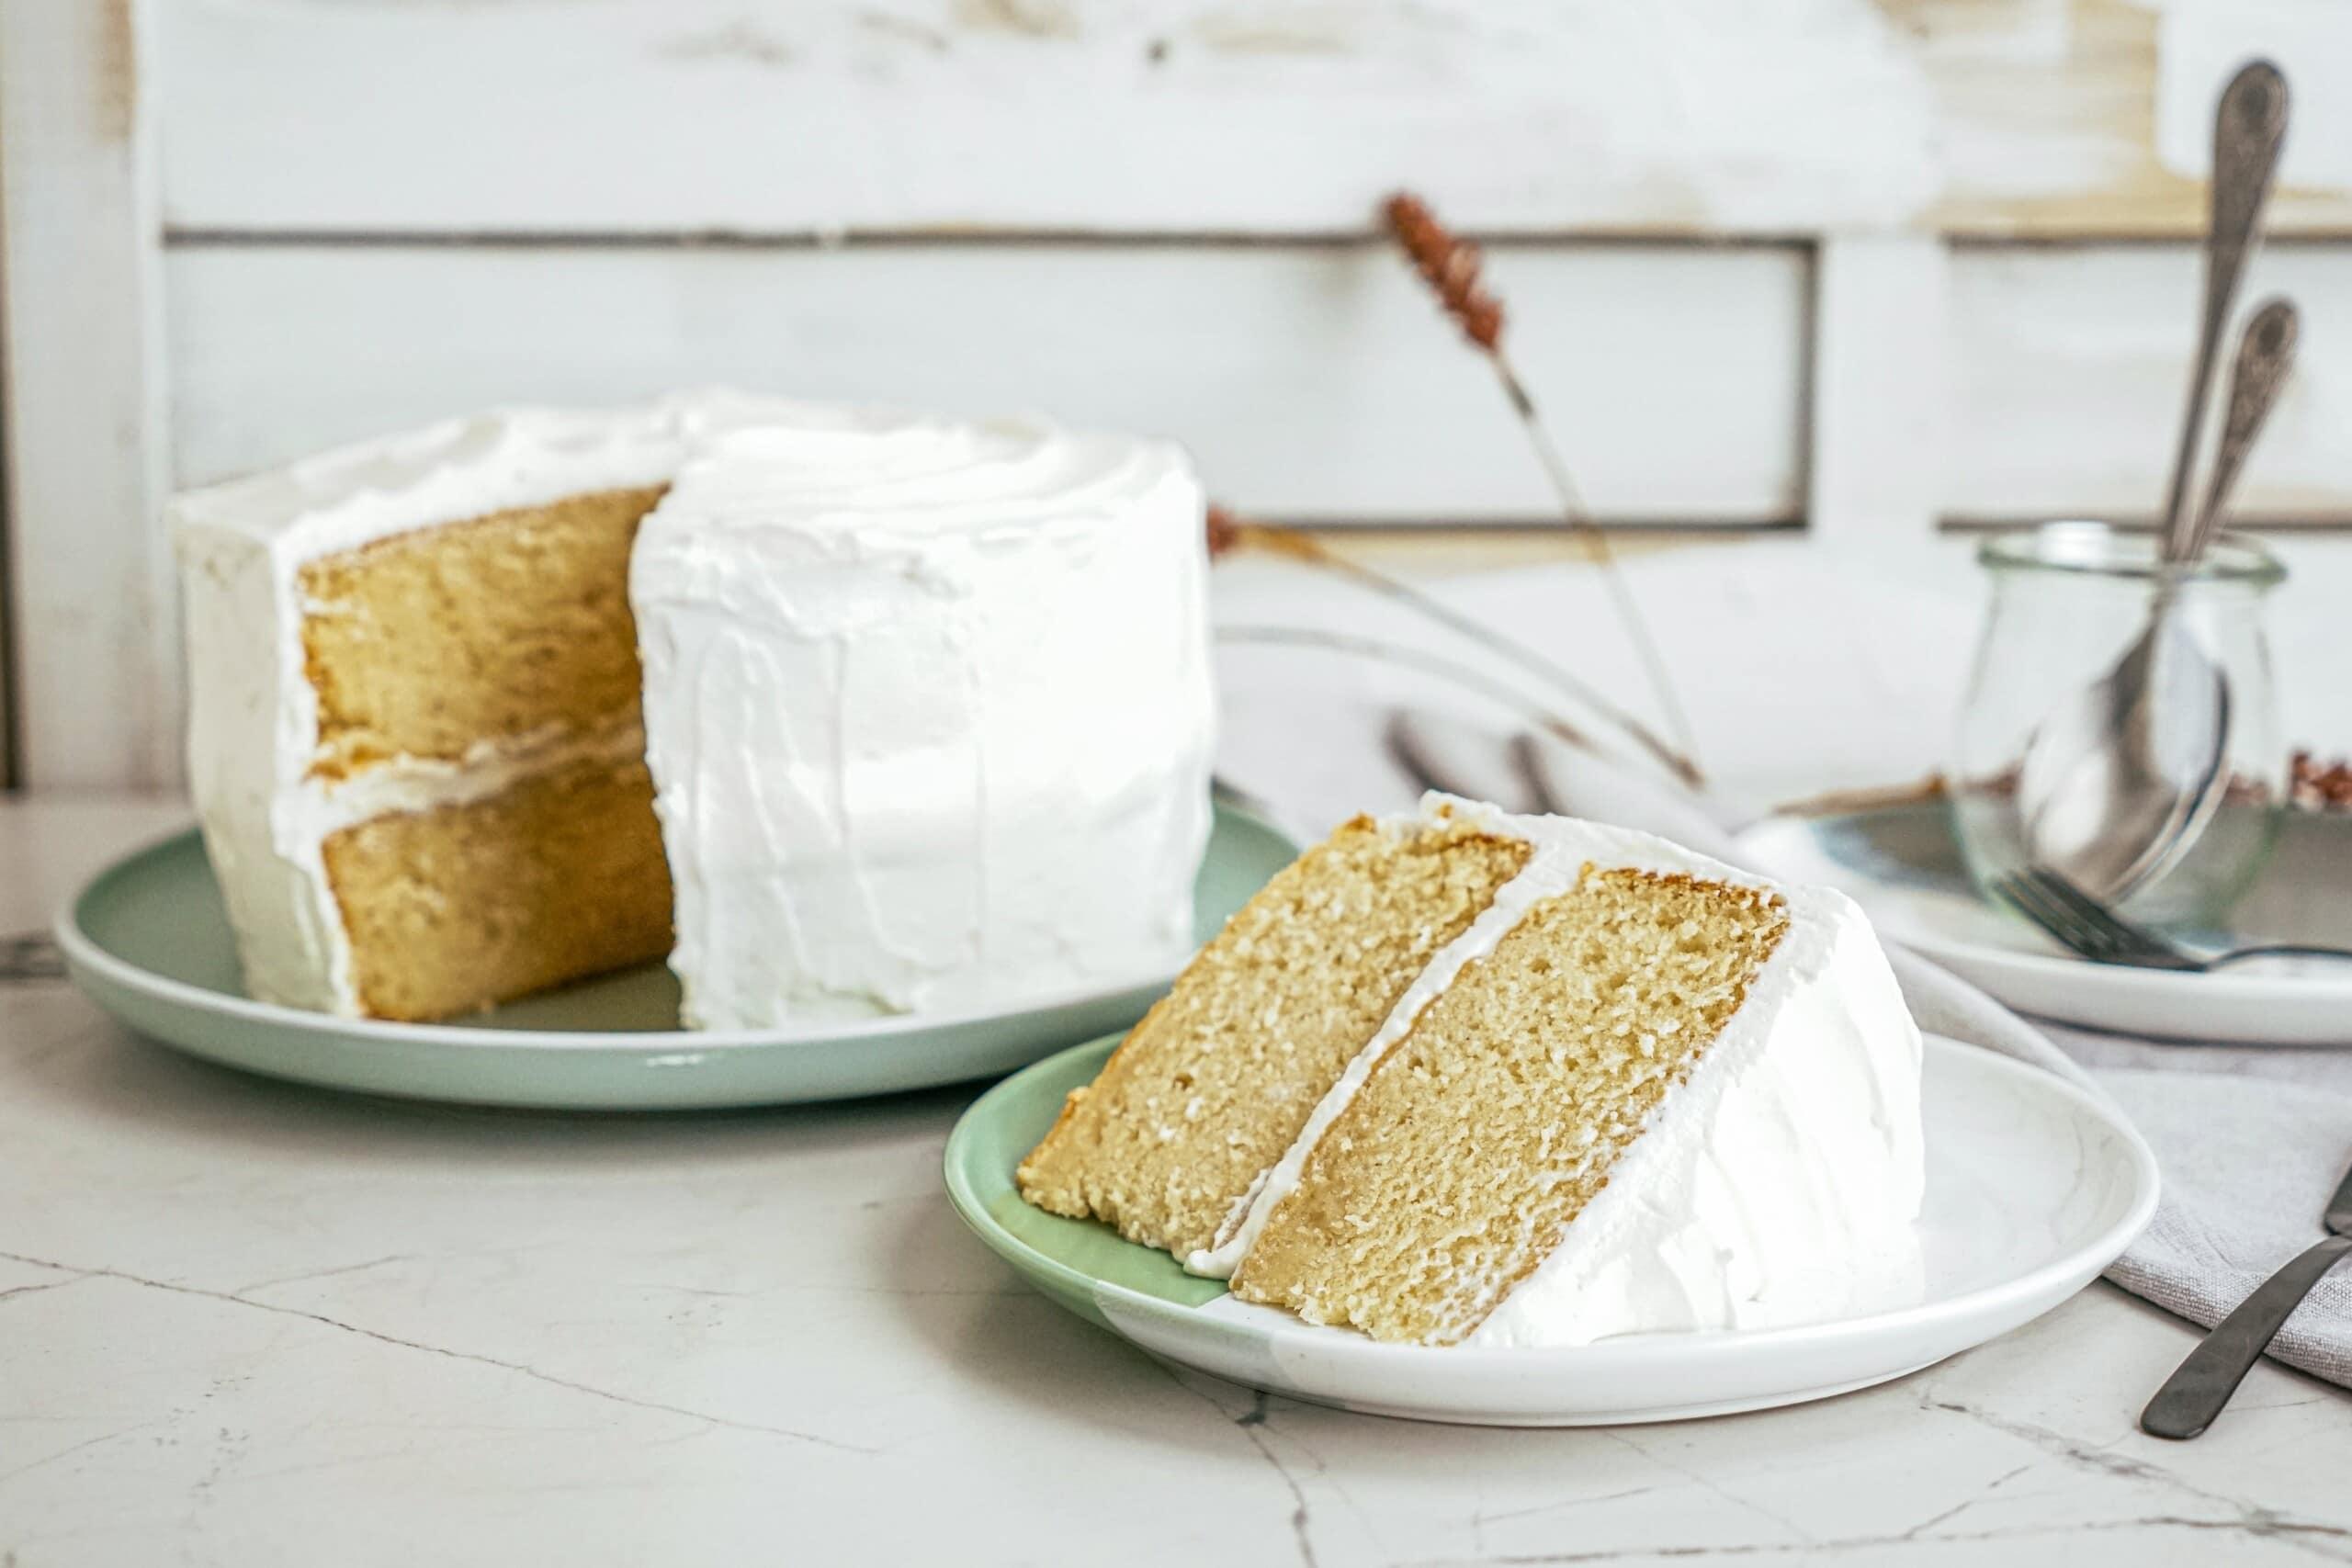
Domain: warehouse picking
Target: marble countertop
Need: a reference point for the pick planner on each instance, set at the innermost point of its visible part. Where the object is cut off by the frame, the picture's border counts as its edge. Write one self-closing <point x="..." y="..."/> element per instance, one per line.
<point x="243" y="1323"/>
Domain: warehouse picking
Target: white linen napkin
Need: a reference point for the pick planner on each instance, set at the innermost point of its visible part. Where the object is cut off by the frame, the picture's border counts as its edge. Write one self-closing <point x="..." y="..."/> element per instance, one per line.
<point x="2250" y="1140"/>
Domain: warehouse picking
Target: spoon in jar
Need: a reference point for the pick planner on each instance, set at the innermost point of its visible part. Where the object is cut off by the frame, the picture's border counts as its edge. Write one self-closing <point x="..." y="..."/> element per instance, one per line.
<point x="2169" y="654"/>
<point x="2117" y="784"/>
<point x="2265" y="355"/>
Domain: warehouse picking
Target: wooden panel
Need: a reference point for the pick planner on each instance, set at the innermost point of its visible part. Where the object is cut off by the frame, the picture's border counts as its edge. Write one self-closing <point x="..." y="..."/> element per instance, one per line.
<point x="11" y="766"/>
<point x="2069" y="365"/>
<point x="2095" y="116"/>
<point x="1315" y="382"/>
<point x="95" y="636"/>
<point x="1878" y="386"/>
<point x="1752" y="117"/>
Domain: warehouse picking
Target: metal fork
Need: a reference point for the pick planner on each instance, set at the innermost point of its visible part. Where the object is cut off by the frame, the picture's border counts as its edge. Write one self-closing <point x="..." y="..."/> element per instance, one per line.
<point x="2083" y="924"/>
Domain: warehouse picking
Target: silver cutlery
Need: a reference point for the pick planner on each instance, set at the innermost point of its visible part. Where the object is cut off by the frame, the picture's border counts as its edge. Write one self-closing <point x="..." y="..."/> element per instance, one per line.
<point x="2266" y="354"/>
<point x="2120" y="780"/>
<point x="2091" y="929"/>
<point x="32" y="956"/>
<point x="1434" y="760"/>
<point x="2203" y="1382"/>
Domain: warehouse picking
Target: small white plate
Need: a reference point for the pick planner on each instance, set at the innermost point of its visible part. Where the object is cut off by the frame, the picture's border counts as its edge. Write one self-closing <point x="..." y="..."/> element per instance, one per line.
<point x="1900" y="863"/>
<point x="2032" y="1189"/>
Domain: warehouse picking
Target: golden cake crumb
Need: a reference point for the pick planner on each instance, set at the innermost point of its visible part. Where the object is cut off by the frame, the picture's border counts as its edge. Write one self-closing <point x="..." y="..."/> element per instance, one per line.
<point x="463" y="905"/>
<point x="1484" y="1131"/>
<point x="512" y="624"/>
<point x="1209" y="1089"/>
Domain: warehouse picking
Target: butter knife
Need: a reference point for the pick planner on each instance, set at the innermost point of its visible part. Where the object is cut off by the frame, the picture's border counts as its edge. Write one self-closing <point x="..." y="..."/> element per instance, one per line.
<point x="2202" y="1383"/>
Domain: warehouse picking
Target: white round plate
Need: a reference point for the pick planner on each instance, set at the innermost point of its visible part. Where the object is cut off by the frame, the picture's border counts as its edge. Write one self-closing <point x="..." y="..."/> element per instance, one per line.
<point x="2032" y="1189"/>
<point x="1900" y="863"/>
<point x="149" y="940"/>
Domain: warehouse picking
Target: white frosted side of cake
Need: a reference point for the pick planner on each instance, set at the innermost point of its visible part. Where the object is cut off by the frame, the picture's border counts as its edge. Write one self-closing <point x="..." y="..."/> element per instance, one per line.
<point x="1778" y="1186"/>
<point x="929" y="714"/>
<point x="254" y="724"/>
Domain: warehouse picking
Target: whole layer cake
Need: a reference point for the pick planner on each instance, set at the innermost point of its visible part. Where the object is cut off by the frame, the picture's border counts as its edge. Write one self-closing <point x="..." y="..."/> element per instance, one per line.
<point x="847" y="713"/>
<point x="1460" y="1077"/>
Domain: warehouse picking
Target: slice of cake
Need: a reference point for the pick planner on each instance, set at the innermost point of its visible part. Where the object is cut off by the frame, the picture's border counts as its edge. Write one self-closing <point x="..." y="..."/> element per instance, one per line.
<point x="1642" y="1091"/>
<point x="931" y="710"/>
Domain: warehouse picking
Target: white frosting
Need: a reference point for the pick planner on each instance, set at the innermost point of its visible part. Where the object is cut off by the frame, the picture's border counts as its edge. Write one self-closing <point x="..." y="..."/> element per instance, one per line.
<point x="929" y="712"/>
<point x="1052" y="652"/>
<point x="1777" y="1186"/>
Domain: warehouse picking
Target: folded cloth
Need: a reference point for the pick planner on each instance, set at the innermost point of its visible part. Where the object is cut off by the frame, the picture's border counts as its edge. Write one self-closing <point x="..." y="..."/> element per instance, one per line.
<point x="2247" y="1164"/>
<point x="2249" y="1140"/>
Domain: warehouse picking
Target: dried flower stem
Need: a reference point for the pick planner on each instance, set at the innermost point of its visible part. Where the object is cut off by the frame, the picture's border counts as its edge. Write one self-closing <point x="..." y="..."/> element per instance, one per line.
<point x="1228" y="532"/>
<point x="1410" y="657"/>
<point x="1451" y="267"/>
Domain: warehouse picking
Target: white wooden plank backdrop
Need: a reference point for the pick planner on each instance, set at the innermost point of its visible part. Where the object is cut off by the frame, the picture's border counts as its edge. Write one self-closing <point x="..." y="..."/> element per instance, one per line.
<point x="237" y="230"/>
<point x="94" y="637"/>
<point x="1317" y="383"/>
<point x="1282" y="116"/>
<point x="2069" y="363"/>
<point x="1314" y="382"/>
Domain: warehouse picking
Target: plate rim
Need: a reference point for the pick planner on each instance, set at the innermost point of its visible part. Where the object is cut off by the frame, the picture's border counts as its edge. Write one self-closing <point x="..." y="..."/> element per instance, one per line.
<point x="2246" y="990"/>
<point x="84" y="952"/>
<point x="1627" y="1352"/>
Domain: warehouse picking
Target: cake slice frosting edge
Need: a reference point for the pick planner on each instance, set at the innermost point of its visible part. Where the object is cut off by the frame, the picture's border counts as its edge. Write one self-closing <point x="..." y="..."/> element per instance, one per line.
<point x="1777" y="1185"/>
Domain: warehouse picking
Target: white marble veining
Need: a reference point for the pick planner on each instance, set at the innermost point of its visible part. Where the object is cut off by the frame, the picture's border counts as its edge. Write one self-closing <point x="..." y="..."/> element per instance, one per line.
<point x="247" y="1324"/>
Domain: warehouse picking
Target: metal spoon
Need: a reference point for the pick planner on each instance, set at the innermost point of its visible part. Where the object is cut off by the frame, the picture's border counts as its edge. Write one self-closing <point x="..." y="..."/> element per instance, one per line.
<point x="2169" y="666"/>
<point x="2117" y="785"/>
<point x="2265" y="355"/>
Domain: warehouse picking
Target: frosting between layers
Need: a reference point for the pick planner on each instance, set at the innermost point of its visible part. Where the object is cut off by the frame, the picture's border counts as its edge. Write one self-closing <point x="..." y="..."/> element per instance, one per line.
<point x="929" y="713"/>
<point x="253" y="722"/>
<point x="1777" y="1186"/>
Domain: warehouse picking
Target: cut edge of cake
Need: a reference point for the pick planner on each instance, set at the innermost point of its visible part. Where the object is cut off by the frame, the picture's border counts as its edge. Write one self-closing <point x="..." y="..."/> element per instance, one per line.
<point x="1788" y="1143"/>
<point x="1204" y="1094"/>
<point x="273" y="790"/>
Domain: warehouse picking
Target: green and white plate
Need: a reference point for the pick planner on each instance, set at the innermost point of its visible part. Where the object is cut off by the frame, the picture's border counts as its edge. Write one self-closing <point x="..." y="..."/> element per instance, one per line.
<point x="2033" y="1187"/>
<point x="149" y="940"/>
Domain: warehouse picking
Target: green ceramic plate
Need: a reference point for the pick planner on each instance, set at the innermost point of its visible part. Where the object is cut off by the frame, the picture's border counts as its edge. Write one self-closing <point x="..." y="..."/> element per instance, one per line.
<point x="149" y="942"/>
<point x="1069" y="1260"/>
<point x="2032" y="1188"/>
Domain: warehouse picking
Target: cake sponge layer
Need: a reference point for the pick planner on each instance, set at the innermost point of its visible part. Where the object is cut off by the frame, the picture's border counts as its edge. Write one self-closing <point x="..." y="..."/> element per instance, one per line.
<point x="1488" y="1126"/>
<point x="463" y="905"/>
<point x="1210" y="1089"/>
<point x="432" y="642"/>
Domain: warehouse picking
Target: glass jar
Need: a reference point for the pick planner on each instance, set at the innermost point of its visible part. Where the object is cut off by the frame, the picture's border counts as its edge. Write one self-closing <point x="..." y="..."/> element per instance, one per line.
<point x="2068" y="600"/>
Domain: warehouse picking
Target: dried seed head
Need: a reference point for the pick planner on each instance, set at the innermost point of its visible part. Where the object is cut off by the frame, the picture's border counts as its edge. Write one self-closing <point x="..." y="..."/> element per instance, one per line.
<point x="1450" y="266"/>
